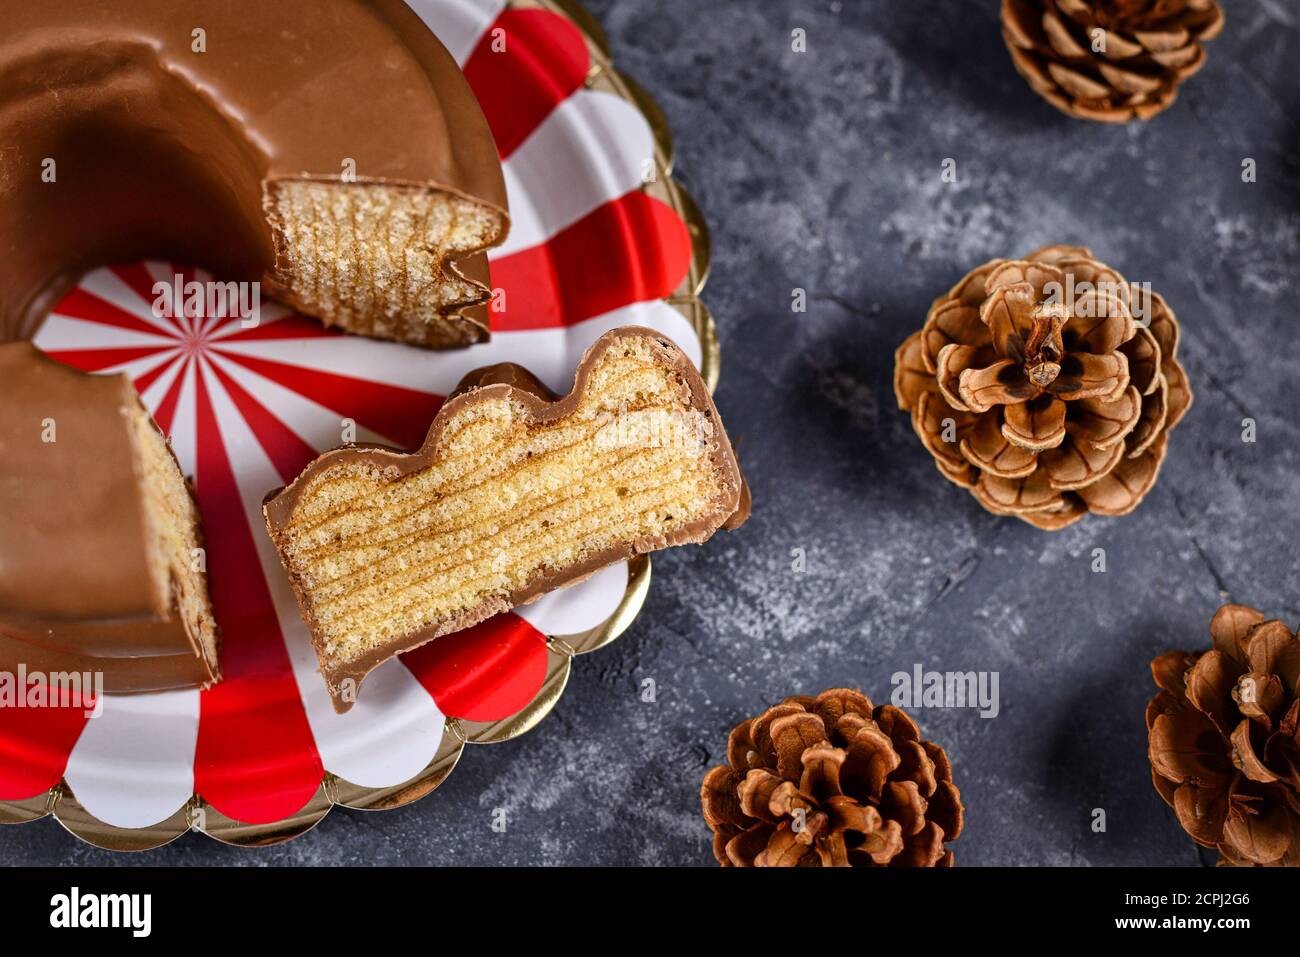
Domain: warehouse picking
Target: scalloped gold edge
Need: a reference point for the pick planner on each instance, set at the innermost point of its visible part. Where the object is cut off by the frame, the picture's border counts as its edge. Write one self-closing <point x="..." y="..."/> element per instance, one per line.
<point x="197" y="815"/>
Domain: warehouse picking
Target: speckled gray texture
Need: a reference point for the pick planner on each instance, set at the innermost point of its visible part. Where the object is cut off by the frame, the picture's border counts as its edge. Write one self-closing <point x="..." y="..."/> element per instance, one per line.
<point x="822" y="171"/>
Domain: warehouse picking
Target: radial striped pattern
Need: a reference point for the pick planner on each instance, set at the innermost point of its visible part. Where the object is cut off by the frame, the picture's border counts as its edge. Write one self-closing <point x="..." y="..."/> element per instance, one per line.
<point x="246" y="408"/>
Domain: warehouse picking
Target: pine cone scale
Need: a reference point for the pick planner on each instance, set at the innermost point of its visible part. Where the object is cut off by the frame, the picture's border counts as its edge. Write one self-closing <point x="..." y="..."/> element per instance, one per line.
<point x="718" y="796"/>
<point x="1202" y="812"/>
<point x="884" y="844"/>
<point x="1245" y="758"/>
<point x="792" y="735"/>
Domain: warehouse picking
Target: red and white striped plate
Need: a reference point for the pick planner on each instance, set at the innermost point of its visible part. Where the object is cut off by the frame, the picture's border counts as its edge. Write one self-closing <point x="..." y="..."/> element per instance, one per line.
<point x="601" y="238"/>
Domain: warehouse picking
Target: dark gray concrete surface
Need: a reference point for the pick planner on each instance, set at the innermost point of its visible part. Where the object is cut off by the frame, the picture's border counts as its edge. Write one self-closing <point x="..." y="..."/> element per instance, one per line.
<point x="821" y="171"/>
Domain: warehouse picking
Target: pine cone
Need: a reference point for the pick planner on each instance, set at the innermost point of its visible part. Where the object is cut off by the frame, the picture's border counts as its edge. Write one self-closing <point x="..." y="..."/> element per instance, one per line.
<point x="1225" y="739"/>
<point x="1033" y="386"/>
<point x="835" y="782"/>
<point x="1109" y="60"/>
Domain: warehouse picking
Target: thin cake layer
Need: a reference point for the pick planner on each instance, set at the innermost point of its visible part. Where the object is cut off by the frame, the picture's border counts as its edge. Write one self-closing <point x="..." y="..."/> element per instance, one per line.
<point x="101" y="563"/>
<point x="512" y="495"/>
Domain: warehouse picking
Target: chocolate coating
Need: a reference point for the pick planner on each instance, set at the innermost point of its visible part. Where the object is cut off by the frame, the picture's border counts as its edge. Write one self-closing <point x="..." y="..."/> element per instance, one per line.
<point x="163" y="151"/>
<point x="503" y="373"/>
<point x="76" y="591"/>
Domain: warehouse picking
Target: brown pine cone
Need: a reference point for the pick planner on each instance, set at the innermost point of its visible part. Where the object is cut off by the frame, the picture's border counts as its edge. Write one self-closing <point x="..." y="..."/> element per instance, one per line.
<point x="1225" y="739"/>
<point x="1047" y="405"/>
<point x="832" y="781"/>
<point x="1109" y="60"/>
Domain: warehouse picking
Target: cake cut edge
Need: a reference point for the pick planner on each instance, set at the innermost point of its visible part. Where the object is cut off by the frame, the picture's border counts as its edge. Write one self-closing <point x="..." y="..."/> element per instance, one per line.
<point x="390" y="260"/>
<point x="178" y="556"/>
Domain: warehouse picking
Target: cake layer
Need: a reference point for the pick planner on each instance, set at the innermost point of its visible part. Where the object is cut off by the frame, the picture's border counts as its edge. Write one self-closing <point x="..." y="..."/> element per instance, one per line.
<point x="101" y="564"/>
<point x="380" y="260"/>
<point x="514" y="493"/>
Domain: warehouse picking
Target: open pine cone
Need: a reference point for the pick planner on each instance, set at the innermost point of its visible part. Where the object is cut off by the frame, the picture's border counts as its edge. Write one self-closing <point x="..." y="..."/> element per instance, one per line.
<point x="1046" y="404"/>
<point x="1109" y="60"/>
<point x="832" y="781"/>
<point x="1225" y="739"/>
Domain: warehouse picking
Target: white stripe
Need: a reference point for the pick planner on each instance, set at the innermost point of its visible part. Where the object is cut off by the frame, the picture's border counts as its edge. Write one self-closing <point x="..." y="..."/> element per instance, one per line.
<point x="166" y="273"/>
<point x="152" y="396"/>
<point x="105" y="284"/>
<point x="390" y="363"/>
<point x="268" y="312"/>
<point x="591" y="149"/>
<point x="61" y="332"/>
<point x="133" y="765"/>
<point x="579" y="607"/>
<point x="553" y="354"/>
<point x="550" y="354"/>
<point x="395" y="729"/>
<point x="458" y="23"/>
<point x="184" y="423"/>
<point x="319" y="427"/>
<point x="138" y="367"/>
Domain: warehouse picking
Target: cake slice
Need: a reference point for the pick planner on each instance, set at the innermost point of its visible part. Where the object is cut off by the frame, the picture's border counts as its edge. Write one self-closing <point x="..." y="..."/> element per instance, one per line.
<point x="101" y="561"/>
<point x="514" y="493"/>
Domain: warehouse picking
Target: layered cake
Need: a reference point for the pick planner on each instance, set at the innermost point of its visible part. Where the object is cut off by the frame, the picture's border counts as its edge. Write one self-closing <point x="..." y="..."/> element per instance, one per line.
<point x="515" y="492"/>
<point x="101" y="550"/>
<point x="331" y="151"/>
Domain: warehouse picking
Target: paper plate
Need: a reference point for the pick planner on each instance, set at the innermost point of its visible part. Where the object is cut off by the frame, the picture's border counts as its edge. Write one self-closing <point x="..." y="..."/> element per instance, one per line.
<point x="601" y="238"/>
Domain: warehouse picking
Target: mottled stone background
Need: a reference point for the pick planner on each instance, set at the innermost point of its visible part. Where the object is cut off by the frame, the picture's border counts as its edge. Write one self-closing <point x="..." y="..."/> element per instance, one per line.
<point x="821" y="171"/>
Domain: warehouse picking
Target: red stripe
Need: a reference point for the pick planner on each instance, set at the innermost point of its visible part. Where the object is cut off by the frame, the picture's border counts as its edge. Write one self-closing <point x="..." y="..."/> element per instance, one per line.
<point x="401" y="415"/>
<point x="34" y="747"/>
<point x="255" y="759"/>
<point x="140" y="280"/>
<point x="484" y="673"/>
<point x="289" y="453"/>
<point x="142" y="382"/>
<point x="96" y="360"/>
<point x="289" y="327"/>
<point x="167" y="407"/>
<point x="543" y="61"/>
<point x="634" y="249"/>
<point x="80" y="304"/>
<point x="188" y="275"/>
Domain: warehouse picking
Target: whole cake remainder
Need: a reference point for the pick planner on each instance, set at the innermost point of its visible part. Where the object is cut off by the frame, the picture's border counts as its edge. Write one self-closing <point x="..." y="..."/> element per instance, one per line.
<point x="101" y="562"/>
<point x="332" y="151"/>
<point x="514" y="493"/>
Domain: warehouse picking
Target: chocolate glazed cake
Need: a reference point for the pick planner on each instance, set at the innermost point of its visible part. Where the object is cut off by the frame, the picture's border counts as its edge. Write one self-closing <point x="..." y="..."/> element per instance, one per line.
<point x="100" y="545"/>
<point x="331" y="150"/>
<point x="514" y="493"/>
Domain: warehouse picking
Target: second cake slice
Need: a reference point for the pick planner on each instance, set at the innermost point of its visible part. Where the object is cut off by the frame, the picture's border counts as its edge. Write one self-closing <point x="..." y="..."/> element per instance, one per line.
<point x="513" y="494"/>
